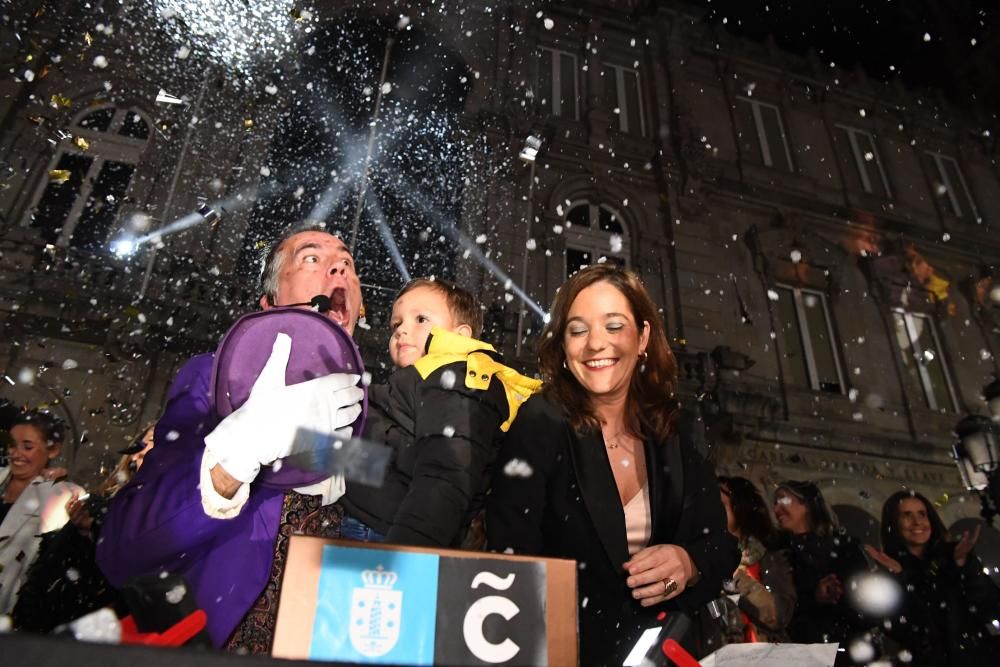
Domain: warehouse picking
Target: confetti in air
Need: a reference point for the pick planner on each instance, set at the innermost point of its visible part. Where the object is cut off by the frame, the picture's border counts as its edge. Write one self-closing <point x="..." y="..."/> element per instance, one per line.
<point x="232" y="32"/>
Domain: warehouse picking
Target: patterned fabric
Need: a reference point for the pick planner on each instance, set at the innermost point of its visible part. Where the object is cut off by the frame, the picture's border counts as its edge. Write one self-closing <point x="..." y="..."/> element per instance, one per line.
<point x="300" y="515"/>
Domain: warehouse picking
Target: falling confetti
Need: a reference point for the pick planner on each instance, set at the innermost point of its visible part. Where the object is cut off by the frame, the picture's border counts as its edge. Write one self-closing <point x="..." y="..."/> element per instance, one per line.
<point x="230" y="31"/>
<point x="59" y="176"/>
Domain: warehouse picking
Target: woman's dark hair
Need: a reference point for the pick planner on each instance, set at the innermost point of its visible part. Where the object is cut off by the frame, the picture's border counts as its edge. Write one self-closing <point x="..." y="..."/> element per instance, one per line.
<point x="650" y="399"/>
<point x="749" y="509"/>
<point x="892" y="542"/>
<point x="822" y="520"/>
<point x="51" y="427"/>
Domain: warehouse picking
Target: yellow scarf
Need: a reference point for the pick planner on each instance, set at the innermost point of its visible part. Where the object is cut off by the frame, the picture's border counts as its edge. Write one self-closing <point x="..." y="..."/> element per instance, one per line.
<point x="447" y="348"/>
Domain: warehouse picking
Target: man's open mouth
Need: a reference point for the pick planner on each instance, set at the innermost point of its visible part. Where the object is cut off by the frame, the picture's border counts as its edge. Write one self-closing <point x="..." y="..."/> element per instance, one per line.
<point x="338" y="306"/>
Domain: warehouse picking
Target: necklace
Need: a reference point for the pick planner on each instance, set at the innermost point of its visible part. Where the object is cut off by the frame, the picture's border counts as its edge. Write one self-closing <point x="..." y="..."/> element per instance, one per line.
<point x="614" y="442"/>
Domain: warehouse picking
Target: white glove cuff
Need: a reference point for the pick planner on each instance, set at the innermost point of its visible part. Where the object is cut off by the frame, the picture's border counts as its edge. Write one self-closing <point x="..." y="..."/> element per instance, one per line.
<point x="235" y="456"/>
<point x="215" y="505"/>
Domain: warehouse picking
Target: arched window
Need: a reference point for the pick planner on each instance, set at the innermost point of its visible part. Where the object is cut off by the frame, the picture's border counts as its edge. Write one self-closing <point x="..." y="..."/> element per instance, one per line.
<point x="594" y="235"/>
<point x="88" y="178"/>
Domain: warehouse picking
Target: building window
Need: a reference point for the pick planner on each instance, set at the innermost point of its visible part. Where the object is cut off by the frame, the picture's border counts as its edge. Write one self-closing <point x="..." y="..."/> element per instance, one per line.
<point x="920" y="349"/>
<point x="866" y="161"/>
<point x="557" y="82"/>
<point x="764" y="121"/>
<point x="594" y="235"/>
<point x="88" y="179"/>
<point x="807" y="332"/>
<point x="623" y="94"/>
<point x="950" y="184"/>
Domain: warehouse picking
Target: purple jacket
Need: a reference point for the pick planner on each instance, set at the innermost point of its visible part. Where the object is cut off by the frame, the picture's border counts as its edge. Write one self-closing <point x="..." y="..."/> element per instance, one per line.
<point x="157" y="522"/>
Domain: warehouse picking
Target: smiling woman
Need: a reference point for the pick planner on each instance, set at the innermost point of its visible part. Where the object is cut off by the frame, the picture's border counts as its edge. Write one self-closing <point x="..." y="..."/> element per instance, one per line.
<point x="37" y="439"/>
<point x="948" y="601"/>
<point x="611" y="482"/>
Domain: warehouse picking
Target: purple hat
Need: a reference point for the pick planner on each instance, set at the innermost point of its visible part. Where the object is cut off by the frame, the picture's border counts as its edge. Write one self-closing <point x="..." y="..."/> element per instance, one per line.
<point x="319" y="347"/>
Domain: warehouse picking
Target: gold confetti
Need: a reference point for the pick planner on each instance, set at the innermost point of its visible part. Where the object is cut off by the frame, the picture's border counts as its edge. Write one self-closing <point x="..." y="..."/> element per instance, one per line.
<point x="44" y="71"/>
<point x="59" y="176"/>
<point x="61" y="101"/>
<point x="87" y="38"/>
<point x="37" y="120"/>
<point x="29" y="58"/>
<point x="81" y="143"/>
<point x="248" y="124"/>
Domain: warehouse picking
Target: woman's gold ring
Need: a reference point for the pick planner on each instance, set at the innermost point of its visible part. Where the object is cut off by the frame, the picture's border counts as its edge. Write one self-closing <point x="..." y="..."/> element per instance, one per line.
<point x="669" y="586"/>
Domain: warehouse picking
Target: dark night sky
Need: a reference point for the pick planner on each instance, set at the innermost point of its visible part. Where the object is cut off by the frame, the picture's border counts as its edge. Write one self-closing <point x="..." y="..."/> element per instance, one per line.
<point x="884" y="33"/>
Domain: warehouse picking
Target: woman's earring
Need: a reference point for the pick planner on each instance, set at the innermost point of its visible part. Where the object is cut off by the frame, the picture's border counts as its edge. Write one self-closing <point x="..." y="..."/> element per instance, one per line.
<point x="642" y="364"/>
<point x="564" y="364"/>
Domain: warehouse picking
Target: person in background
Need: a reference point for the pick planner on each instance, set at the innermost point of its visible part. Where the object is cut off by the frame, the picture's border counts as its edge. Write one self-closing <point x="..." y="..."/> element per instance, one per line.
<point x="823" y="559"/>
<point x="443" y="424"/>
<point x="64" y="583"/>
<point x="948" y="601"/>
<point x="763" y="579"/>
<point x="37" y="439"/>
<point x="596" y="469"/>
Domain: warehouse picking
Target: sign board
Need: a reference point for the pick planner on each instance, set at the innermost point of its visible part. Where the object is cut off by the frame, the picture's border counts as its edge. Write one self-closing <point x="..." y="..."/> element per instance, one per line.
<point x="380" y="604"/>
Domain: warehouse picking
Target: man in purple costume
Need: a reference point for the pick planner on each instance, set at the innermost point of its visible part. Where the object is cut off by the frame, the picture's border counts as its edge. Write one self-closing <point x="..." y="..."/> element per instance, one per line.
<point x="192" y="509"/>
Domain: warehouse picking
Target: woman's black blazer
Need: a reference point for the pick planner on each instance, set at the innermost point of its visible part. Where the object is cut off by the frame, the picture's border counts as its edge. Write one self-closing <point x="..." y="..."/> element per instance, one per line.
<point x="554" y="494"/>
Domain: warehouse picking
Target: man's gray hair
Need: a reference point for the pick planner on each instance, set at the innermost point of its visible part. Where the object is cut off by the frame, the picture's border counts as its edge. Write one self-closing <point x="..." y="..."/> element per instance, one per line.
<point x="275" y="259"/>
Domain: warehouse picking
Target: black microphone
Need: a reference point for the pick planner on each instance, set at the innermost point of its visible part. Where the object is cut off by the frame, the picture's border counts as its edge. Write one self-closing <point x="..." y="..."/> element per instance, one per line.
<point x="320" y="302"/>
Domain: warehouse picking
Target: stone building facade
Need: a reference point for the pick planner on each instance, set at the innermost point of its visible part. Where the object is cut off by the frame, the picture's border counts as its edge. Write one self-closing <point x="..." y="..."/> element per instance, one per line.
<point x="823" y="246"/>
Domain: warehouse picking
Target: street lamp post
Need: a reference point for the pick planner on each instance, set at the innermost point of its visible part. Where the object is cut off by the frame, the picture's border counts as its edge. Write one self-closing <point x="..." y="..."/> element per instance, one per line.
<point x="977" y="452"/>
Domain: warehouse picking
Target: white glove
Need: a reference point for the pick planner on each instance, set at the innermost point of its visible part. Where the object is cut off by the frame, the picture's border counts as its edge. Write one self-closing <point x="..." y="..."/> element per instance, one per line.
<point x="263" y="429"/>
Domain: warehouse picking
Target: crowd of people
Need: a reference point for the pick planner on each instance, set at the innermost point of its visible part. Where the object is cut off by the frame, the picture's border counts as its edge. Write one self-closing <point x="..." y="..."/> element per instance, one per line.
<point x="594" y="462"/>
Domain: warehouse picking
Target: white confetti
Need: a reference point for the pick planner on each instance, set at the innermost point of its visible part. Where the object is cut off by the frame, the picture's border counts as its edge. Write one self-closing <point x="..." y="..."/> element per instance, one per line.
<point x="100" y="62"/>
<point x="549" y="24"/>
<point x="176" y="594"/>
<point x="448" y="431"/>
<point x="518" y="468"/>
<point x="875" y="593"/>
<point x="69" y="364"/>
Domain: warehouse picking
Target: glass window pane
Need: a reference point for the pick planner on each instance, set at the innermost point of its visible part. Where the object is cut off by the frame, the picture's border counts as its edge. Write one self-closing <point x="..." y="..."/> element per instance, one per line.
<point x="843" y="137"/>
<point x="99" y="120"/>
<point x="964" y="206"/>
<point x="91" y="231"/>
<point x="870" y="161"/>
<point x="906" y="353"/>
<point x="579" y="215"/>
<point x="545" y="80"/>
<point x="796" y="372"/>
<point x="134" y="126"/>
<point x="933" y="362"/>
<point x="576" y="259"/>
<point x="58" y="198"/>
<point x="775" y="142"/>
<point x="749" y="142"/>
<point x="632" y="103"/>
<point x="822" y="346"/>
<point x="607" y="222"/>
<point x="567" y="84"/>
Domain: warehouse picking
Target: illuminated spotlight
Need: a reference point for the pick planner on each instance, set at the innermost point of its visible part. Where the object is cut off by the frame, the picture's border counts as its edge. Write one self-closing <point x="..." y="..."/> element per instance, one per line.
<point x="531" y="147"/>
<point x="124" y="247"/>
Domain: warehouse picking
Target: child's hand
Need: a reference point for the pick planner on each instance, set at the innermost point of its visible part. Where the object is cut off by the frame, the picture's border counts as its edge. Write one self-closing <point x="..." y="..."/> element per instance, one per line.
<point x="79" y="515"/>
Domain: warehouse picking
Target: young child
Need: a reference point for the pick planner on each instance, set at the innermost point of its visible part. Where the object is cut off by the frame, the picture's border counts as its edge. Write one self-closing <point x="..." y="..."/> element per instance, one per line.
<point x="442" y="411"/>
